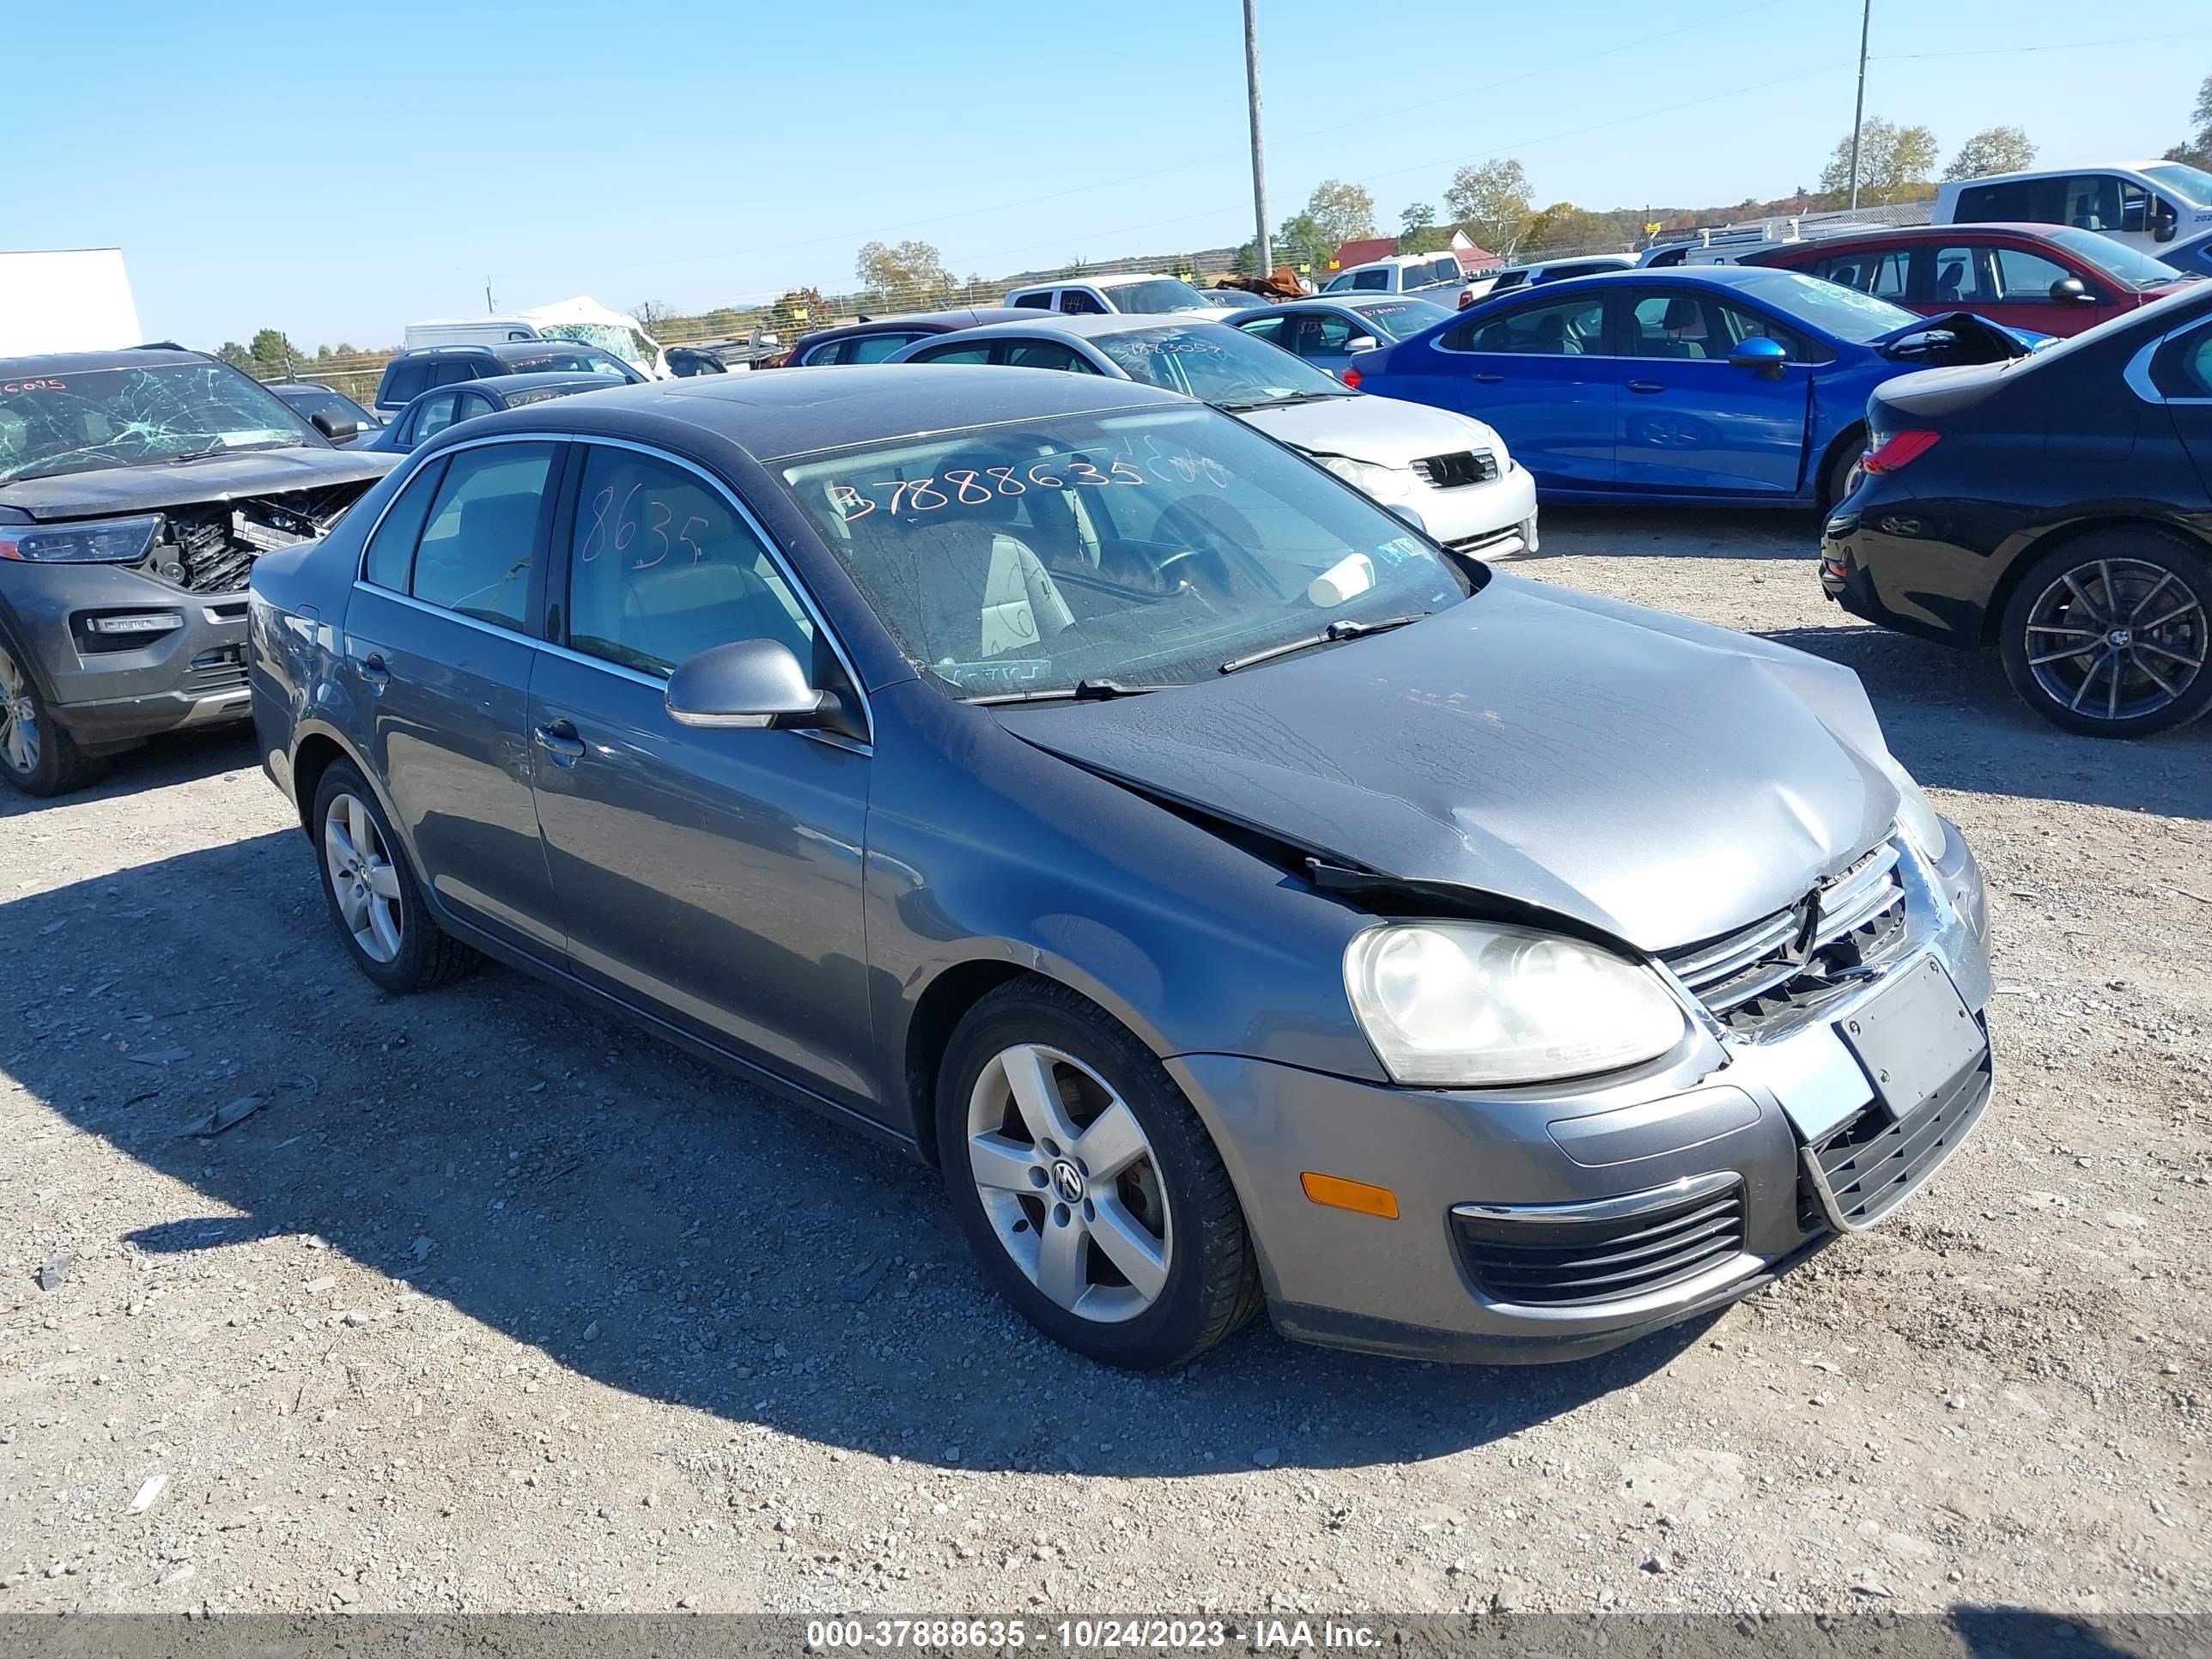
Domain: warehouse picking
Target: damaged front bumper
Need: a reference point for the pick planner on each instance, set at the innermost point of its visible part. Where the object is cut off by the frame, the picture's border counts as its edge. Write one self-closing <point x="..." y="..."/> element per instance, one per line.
<point x="1548" y="1224"/>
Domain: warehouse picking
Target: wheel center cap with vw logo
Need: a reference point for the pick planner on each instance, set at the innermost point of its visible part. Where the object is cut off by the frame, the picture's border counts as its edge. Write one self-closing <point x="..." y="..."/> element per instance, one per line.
<point x="1067" y="1182"/>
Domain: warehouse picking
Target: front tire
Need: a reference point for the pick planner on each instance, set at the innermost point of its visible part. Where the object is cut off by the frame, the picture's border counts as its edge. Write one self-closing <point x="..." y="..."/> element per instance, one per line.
<point x="36" y="756"/>
<point x="2106" y="635"/>
<point x="1090" y="1193"/>
<point x="374" y="898"/>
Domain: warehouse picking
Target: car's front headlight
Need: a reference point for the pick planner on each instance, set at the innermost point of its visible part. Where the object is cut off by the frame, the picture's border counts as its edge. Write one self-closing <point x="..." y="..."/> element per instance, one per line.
<point x="1471" y="1004"/>
<point x="1364" y="475"/>
<point x="1916" y="817"/>
<point x="91" y="541"/>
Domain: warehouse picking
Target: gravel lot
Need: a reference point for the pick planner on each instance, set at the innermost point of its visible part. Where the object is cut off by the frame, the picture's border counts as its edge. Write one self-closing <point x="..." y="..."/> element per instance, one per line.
<point x="494" y="1303"/>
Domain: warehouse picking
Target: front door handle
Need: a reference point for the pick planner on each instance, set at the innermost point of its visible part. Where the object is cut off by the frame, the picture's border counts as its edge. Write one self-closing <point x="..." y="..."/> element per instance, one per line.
<point x="1646" y="385"/>
<point x="373" y="670"/>
<point x="559" y="740"/>
<point x="1488" y="380"/>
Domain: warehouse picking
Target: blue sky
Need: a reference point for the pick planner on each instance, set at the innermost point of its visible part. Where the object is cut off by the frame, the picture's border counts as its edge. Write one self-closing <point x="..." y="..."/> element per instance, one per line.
<point x="335" y="170"/>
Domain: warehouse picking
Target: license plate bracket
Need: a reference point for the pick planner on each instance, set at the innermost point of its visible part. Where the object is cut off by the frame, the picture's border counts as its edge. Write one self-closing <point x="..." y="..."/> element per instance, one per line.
<point x="1913" y="1038"/>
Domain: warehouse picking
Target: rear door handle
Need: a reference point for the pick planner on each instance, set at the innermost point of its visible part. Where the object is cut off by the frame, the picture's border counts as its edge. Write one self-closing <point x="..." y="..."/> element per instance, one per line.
<point x="1646" y="385"/>
<point x="373" y="670"/>
<point x="559" y="740"/>
<point x="1488" y="380"/>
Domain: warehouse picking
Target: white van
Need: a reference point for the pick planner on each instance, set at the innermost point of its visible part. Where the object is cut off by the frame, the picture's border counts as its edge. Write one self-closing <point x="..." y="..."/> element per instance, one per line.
<point x="1135" y="291"/>
<point x="2144" y="204"/>
<point x="468" y="331"/>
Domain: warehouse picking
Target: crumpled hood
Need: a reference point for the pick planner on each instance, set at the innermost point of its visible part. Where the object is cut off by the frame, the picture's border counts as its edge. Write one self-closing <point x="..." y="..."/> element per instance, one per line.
<point x="1655" y="778"/>
<point x="1381" y="431"/>
<point x="149" y="488"/>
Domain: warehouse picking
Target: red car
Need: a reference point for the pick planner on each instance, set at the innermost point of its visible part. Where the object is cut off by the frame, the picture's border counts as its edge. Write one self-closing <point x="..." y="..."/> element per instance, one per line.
<point x="2052" y="278"/>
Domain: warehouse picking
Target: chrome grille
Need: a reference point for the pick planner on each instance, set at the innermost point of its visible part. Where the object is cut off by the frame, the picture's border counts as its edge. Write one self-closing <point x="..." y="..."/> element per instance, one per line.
<point x="1782" y="965"/>
<point x="1537" y="1263"/>
<point x="1468" y="467"/>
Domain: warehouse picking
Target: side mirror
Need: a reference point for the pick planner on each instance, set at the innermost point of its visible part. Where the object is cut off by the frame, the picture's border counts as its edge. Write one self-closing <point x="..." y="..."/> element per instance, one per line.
<point x="747" y="685"/>
<point x="1760" y="355"/>
<point x="337" y="427"/>
<point x="2164" y="222"/>
<point x="1362" y="342"/>
<point x="2072" y="291"/>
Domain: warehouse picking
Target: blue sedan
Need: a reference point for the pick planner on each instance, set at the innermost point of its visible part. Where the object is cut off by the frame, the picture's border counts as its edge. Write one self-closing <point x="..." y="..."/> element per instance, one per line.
<point x="1718" y="383"/>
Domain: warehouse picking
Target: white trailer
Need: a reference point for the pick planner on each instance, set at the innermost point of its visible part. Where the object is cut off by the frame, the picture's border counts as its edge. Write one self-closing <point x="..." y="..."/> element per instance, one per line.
<point x="66" y="300"/>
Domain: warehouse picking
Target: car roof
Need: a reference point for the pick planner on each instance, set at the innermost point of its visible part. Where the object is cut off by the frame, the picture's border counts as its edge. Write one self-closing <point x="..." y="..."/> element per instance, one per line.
<point x="943" y="322"/>
<point x="783" y="414"/>
<point x="503" y="383"/>
<point x="1089" y="325"/>
<point x="83" y="362"/>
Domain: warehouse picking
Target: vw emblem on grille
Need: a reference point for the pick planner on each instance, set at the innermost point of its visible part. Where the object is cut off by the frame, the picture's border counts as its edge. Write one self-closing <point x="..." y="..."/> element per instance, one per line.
<point x="1067" y="1181"/>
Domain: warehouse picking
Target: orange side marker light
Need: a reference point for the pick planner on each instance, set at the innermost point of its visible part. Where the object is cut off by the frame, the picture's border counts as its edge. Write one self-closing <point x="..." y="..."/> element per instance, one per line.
<point x="1338" y="1194"/>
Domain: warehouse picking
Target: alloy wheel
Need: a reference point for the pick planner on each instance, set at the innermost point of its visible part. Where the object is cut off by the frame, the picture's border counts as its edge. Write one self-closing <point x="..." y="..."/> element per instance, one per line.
<point x="362" y="877"/>
<point x="1070" y="1183"/>
<point x="2115" y="638"/>
<point x="19" y="719"/>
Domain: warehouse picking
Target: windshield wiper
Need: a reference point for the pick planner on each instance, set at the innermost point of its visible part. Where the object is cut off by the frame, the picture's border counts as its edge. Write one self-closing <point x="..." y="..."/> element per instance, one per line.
<point x="1344" y="628"/>
<point x="1284" y="401"/>
<point x="1081" y="691"/>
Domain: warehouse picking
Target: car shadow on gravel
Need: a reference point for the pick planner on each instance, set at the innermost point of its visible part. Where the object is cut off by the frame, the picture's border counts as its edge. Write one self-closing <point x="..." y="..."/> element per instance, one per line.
<point x="1786" y="534"/>
<point x="1952" y="717"/>
<point x="185" y="757"/>
<point x="567" y="1181"/>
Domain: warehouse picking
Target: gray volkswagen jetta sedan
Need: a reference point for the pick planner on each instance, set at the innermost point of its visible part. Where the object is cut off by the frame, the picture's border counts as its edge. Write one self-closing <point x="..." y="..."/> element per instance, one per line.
<point x="1239" y="900"/>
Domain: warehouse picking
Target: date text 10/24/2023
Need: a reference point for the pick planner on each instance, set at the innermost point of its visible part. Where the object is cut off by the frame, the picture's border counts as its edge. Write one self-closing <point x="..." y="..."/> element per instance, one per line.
<point x="1136" y="1635"/>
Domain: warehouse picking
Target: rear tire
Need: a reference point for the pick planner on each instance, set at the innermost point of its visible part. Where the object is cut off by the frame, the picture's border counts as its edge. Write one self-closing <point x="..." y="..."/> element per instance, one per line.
<point x="375" y="900"/>
<point x="2106" y="635"/>
<point x="1841" y="476"/>
<point x="36" y="756"/>
<point x="1071" y="1155"/>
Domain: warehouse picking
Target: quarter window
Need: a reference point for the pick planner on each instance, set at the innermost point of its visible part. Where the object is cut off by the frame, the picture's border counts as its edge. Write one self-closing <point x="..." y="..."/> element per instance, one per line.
<point x="1567" y="328"/>
<point x="1269" y="329"/>
<point x="661" y="568"/>
<point x="482" y="537"/>
<point x="434" y="415"/>
<point x="392" y="549"/>
<point x="2183" y="367"/>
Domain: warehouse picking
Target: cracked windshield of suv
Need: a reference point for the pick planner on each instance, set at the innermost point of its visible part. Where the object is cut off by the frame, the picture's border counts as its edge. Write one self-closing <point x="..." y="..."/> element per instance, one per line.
<point x="72" y="423"/>
<point x="1102" y="553"/>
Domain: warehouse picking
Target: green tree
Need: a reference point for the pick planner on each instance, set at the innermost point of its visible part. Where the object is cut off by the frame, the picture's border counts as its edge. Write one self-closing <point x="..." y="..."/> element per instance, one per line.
<point x="272" y="356"/>
<point x="1301" y="242"/>
<point x="1894" y="162"/>
<point x="2197" y="151"/>
<point x="1993" y="149"/>
<point x="236" y="356"/>
<point x="1418" y="231"/>
<point x="1343" y="211"/>
<point x="1492" y="201"/>
<point x="910" y="273"/>
<point x="801" y="309"/>
<point x="1567" y="227"/>
<point x="1078" y="266"/>
<point x="1247" y="263"/>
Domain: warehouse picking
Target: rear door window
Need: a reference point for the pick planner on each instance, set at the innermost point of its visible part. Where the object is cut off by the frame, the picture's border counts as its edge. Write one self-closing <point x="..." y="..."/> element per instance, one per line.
<point x="1378" y="281"/>
<point x="455" y="371"/>
<point x="1884" y="275"/>
<point x="432" y="416"/>
<point x="1044" y="354"/>
<point x="2036" y="201"/>
<point x="972" y="355"/>
<point x="1078" y="302"/>
<point x="1041" y="301"/>
<point x="1565" y="328"/>
<point x="874" y="348"/>
<point x="1961" y="275"/>
<point x="478" y="549"/>
<point x="1269" y="329"/>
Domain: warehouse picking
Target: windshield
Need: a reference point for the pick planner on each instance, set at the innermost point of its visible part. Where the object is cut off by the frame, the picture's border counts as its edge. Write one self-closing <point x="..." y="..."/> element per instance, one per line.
<point x="1843" y="313"/>
<point x="1160" y="294"/>
<point x="98" y="417"/>
<point x="2184" y="181"/>
<point x="1143" y="546"/>
<point x="2131" y="265"/>
<point x="1396" y="318"/>
<point x="1217" y="364"/>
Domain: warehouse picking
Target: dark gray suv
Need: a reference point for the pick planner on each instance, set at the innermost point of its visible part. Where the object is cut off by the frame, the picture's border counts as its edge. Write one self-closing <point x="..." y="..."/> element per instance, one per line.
<point x="1239" y="899"/>
<point x="136" y="489"/>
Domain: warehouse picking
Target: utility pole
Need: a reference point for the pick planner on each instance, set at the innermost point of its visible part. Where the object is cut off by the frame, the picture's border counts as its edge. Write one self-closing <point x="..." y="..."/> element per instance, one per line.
<point x="1858" y="114"/>
<point x="490" y="310"/>
<point x="1259" y="166"/>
